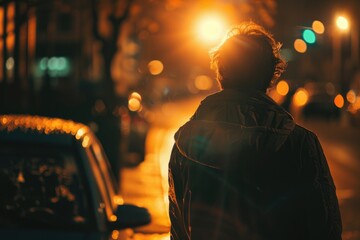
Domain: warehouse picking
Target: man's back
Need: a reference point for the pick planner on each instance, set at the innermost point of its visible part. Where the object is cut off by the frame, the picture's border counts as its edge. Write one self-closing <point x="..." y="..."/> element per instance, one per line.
<point x="242" y="169"/>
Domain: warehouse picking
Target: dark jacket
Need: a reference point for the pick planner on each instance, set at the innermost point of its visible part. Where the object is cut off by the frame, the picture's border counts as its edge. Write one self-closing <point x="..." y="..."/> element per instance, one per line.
<point x="242" y="169"/>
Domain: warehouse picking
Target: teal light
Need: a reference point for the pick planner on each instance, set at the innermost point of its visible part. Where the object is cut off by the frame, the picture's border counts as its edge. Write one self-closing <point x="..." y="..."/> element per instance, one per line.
<point x="43" y="64"/>
<point x="52" y="63"/>
<point x="309" y="36"/>
<point x="54" y="66"/>
<point x="61" y="63"/>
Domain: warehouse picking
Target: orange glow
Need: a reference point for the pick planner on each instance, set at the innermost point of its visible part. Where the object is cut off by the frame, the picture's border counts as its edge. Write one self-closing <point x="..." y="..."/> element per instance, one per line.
<point x="115" y="234"/>
<point x="339" y="101"/>
<point x="282" y="88"/>
<point x="32" y="35"/>
<point x="85" y="141"/>
<point x="135" y="95"/>
<point x="41" y="124"/>
<point x="203" y="82"/>
<point x="300" y="97"/>
<point x="80" y="133"/>
<point x="134" y="104"/>
<point x="300" y="46"/>
<point x="155" y="67"/>
<point x="318" y="27"/>
<point x="118" y="200"/>
<point x="210" y="29"/>
<point x="353" y="108"/>
<point x="113" y="218"/>
<point x="1" y="20"/>
<point x="20" y="177"/>
<point x="10" y="41"/>
<point x="11" y="11"/>
<point x="351" y="96"/>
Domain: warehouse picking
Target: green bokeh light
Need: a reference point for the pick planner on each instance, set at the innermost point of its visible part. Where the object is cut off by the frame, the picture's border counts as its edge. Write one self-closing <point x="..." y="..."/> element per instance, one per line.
<point x="309" y="36"/>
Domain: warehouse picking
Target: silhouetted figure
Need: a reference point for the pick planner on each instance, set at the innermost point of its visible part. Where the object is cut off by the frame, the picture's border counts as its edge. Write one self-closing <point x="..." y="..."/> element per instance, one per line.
<point x="241" y="168"/>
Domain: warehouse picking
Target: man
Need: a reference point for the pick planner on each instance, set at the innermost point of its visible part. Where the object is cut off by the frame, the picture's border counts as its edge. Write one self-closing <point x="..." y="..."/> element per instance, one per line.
<point x="241" y="168"/>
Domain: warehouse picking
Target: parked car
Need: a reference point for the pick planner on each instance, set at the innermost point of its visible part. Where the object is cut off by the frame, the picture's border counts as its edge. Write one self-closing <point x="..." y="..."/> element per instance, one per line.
<point x="55" y="183"/>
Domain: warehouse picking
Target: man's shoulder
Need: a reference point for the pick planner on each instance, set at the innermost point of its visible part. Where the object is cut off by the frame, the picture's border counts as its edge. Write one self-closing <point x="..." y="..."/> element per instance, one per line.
<point x="302" y="132"/>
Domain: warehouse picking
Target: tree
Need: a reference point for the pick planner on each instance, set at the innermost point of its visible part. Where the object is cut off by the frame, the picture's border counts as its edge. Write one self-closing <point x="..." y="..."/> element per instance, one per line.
<point x="109" y="17"/>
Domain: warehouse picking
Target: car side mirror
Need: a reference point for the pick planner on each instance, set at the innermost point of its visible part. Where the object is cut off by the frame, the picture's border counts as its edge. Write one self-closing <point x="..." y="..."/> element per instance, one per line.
<point x="129" y="216"/>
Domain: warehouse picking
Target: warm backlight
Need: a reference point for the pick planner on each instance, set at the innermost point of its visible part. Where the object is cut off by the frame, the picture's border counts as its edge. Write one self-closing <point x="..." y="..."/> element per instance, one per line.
<point x="203" y="82"/>
<point x="210" y="29"/>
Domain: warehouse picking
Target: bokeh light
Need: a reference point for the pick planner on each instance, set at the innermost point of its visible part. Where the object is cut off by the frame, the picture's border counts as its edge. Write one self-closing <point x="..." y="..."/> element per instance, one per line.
<point x="309" y="36"/>
<point x="135" y="95"/>
<point x="155" y="67"/>
<point x="210" y="29"/>
<point x="282" y="88"/>
<point x="300" y="97"/>
<point x="134" y="103"/>
<point x="342" y="23"/>
<point x="351" y="96"/>
<point x="10" y="62"/>
<point x="203" y="82"/>
<point x="318" y="27"/>
<point x="339" y="101"/>
<point x="300" y="46"/>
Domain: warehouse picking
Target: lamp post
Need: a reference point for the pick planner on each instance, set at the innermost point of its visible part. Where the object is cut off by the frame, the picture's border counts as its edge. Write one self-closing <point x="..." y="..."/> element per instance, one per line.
<point x="342" y="28"/>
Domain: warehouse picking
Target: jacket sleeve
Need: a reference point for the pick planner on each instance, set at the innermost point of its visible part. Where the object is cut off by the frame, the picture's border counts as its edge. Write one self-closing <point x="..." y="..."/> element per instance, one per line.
<point x="322" y="209"/>
<point x="179" y="197"/>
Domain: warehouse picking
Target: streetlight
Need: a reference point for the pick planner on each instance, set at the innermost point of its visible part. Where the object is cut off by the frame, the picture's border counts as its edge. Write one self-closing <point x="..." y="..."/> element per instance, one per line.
<point x="342" y="23"/>
<point x="342" y="26"/>
<point x="210" y="29"/>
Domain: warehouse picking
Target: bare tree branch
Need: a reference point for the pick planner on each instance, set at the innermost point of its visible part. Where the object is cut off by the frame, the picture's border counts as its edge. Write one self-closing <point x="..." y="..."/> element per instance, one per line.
<point x="95" y="19"/>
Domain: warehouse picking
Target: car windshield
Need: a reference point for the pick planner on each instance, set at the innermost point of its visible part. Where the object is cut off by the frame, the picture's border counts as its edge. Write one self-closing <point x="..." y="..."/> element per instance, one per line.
<point x="42" y="186"/>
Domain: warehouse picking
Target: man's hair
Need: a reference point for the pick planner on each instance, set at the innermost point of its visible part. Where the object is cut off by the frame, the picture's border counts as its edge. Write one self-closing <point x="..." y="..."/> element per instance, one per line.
<point x="248" y="57"/>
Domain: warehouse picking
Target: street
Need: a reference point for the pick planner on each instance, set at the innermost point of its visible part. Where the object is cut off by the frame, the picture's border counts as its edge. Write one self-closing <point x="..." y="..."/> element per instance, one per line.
<point x="146" y="184"/>
<point x="341" y="147"/>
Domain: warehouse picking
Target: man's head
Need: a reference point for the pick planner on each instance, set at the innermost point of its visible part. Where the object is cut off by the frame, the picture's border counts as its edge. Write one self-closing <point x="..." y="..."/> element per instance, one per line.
<point x="248" y="58"/>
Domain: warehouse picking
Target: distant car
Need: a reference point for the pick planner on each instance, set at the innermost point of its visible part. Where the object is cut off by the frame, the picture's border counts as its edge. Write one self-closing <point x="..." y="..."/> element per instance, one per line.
<point x="55" y="183"/>
<point x="319" y="101"/>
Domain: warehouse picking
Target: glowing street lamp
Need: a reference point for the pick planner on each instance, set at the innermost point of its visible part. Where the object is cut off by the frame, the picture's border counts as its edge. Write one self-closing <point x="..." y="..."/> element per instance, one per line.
<point x="210" y="29"/>
<point x="342" y="23"/>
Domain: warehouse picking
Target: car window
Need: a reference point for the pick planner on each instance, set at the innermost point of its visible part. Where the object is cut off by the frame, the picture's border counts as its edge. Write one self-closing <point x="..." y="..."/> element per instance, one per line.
<point x="42" y="186"/>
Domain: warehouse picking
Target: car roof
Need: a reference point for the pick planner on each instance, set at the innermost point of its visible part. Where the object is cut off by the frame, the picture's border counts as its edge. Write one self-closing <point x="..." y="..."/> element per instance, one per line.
<point x="39" y="129"/>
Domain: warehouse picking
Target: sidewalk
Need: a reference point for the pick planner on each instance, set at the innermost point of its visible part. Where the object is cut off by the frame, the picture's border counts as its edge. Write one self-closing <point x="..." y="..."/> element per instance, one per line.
<point x="146" y="184"/>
